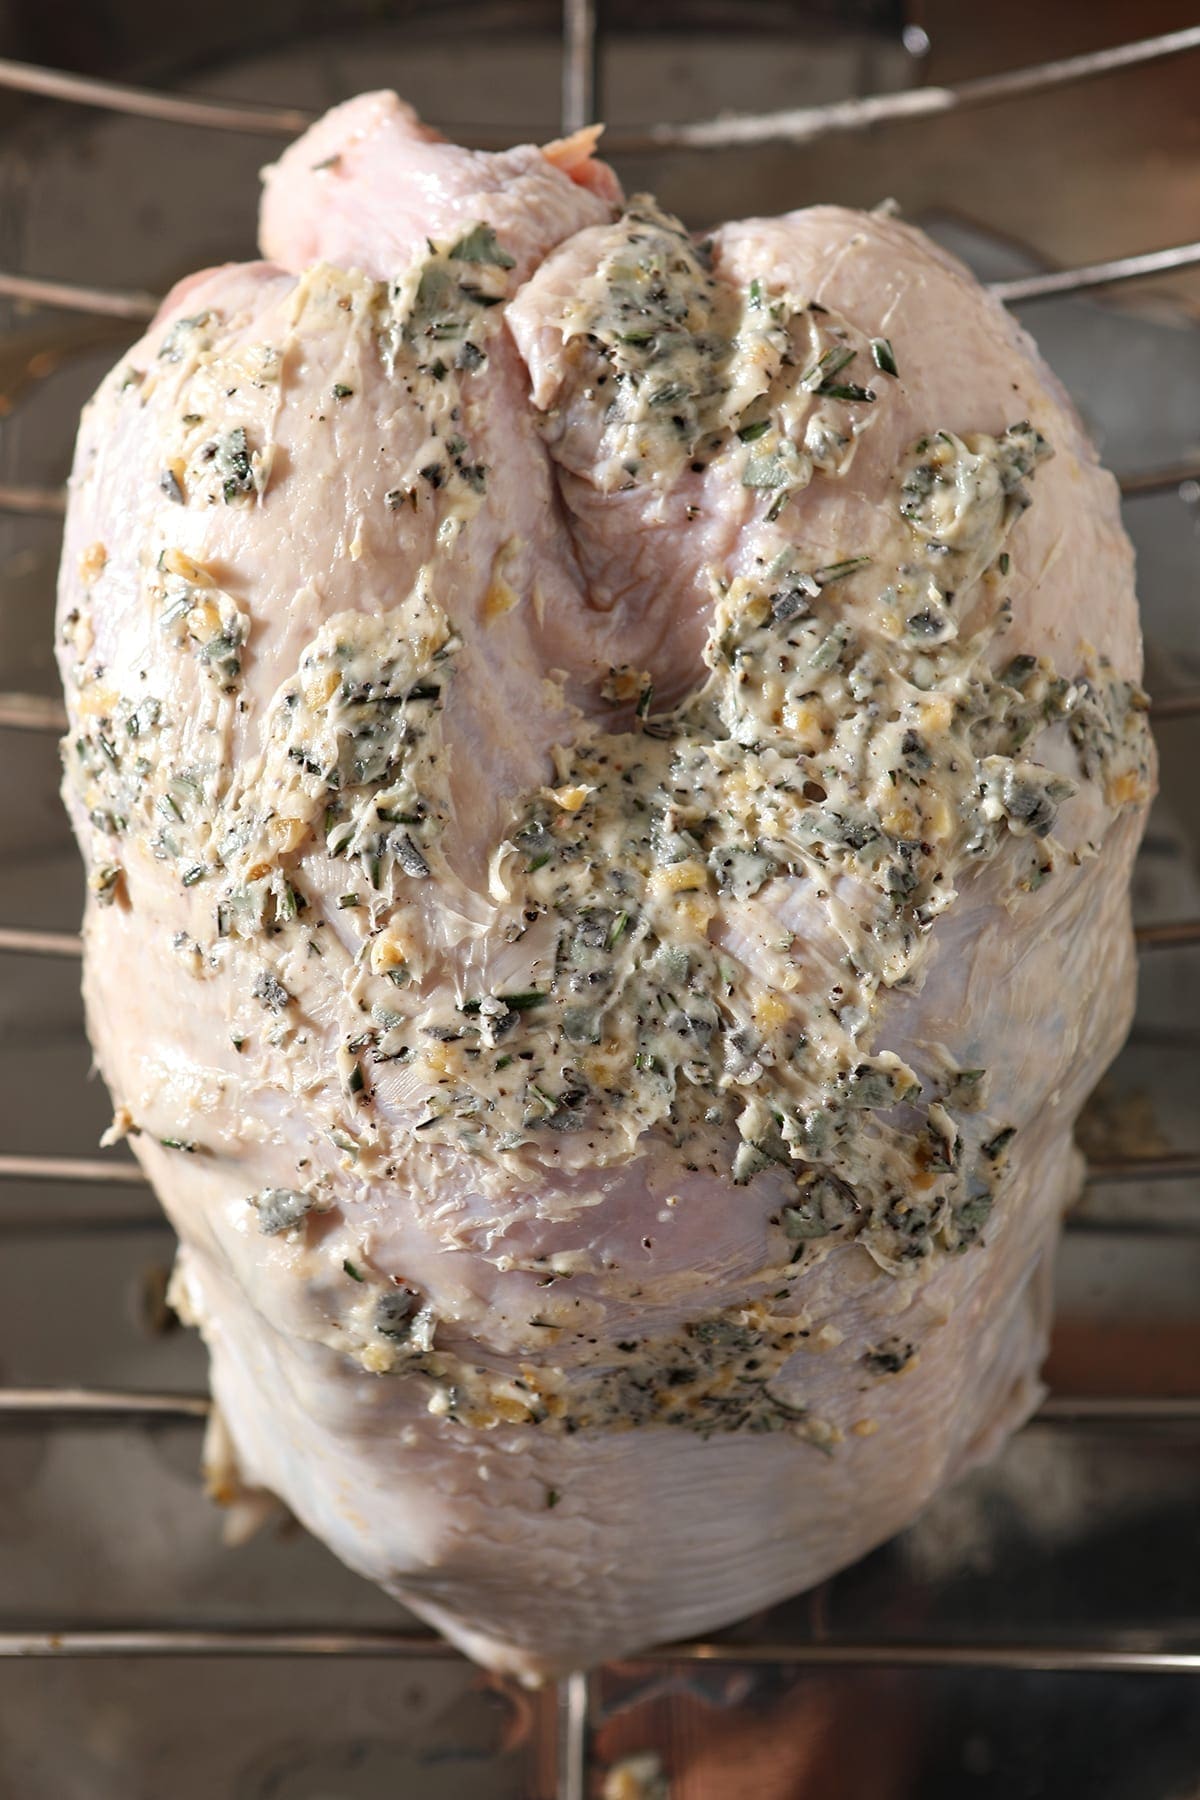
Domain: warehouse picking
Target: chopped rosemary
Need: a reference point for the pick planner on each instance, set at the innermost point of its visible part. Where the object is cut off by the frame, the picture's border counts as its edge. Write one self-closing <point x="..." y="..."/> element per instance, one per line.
<point x="883" y="356"/>
<point x="826" y="367"/>
<point x="848" y="390"/>
<point x="839" y="570"/>
<point x="514" y="1002"/>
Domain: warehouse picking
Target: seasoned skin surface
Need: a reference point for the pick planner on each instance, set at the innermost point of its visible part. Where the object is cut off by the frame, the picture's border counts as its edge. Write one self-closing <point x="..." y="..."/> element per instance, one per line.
<point x="609" y="773"/>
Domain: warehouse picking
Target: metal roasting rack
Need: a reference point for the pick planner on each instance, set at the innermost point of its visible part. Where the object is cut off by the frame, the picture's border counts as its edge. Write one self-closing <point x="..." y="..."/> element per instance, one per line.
<point x="117" y="1183"/>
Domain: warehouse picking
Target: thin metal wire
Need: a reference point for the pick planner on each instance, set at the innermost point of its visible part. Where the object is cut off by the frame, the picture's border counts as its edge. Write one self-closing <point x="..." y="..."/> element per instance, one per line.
<point x="579" y="70"/>
<point x="23" y="941"/>
<point x="71" y="1168"/>
<point x="1118" y="1656"/>
<point x="174" y="109"/>
<point x="1158" y="481"/>
<point x="40" y="943"/>
<point x="32" y="712"/>
<point x="1175" y="1165"/>
<point x="796" y="125"/>
<point x="574" y="1708"/>
<point x="1133" y="1225"/>
<point x="805" y="124"/>
<point x="137" y="306"/>
<point x="108" y="1404"/>
<point x="1178" y="1165"/>
<point x="1029" y="1657"/>
<point x="61" y="1222"/>
<point x="1096" y="275"/>
<point x="1175" y="934"/>
<point x="181" y="1641"/>
<point x="1103" y="1409"/>
<point x="117" y="1405"/>
<point x="52" y="501"/>
<point x="110" y="302"/>
<point x="70" y="1222"/>
<point x="1175" y="706"/>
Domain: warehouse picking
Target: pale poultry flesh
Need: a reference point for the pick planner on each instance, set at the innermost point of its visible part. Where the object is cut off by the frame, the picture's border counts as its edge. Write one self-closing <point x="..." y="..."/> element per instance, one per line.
<point x="608" y="764"/>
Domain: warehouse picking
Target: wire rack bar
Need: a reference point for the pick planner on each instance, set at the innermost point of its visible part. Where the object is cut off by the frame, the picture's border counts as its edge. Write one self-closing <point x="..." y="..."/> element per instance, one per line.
<point x="1028" y="1657"/>
<point x="51" y="501"/>
<point x="796" y="125"/>
<point x="40" y="943"/>
<point x="181" y="1641"/>
<point x="71" y="1168"/>
<point x="32" y="712"/>
<point x="137" y="306"/>
<point x="580" y="54"/>
<point x="1116" y="1656"/>
<point x="1096" y="275"/>
<point x="1173" y="935"/>
<point x="1139" y="1225"/>
<point x="573" y="1709"/>
<point x="1176" y="1165"/>
<point x="1110" y="1411"/>
<point x="1158" y="481"/>
<point x="111" y="1404"/>
<point x="110" y="302"/>
<point x="47" y="1222"/>
<point x="1175" y="706"/>
<point x="144" y="103"/>
<point x="806" y="124"/>
<point x="22" y="941"/>
<point x="119" y="1405"/>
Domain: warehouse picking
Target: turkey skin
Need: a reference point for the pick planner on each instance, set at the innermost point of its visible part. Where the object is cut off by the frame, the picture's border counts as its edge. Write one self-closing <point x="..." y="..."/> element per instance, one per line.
<point x="608" y="765"/>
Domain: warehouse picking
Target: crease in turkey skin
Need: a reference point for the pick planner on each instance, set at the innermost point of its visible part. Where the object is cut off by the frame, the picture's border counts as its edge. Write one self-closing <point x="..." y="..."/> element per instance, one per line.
<point x="608" y="765"/>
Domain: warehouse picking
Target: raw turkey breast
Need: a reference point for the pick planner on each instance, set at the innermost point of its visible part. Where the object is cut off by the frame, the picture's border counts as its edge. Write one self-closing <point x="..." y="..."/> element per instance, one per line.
<point x="608" y="766"/>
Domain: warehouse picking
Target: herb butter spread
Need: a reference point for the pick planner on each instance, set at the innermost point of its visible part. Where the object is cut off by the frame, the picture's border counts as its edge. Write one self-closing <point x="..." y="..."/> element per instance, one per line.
<point x="678" y="368"/>
<point x="609" y="768"/>
<point x="865" y="731"/>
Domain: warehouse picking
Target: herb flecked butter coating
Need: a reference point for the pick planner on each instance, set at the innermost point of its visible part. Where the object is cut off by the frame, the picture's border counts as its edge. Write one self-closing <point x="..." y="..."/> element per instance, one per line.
<point x="608" y="764"/>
